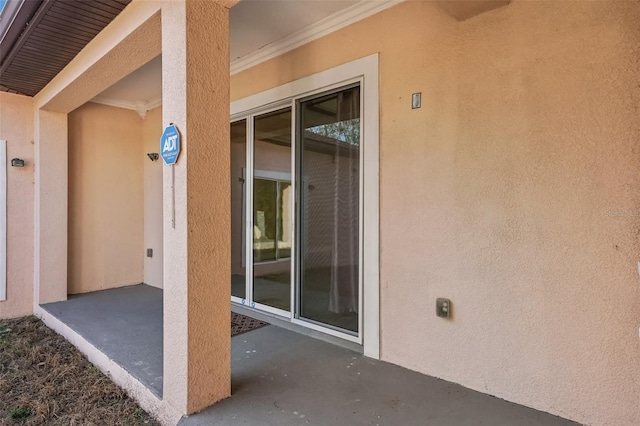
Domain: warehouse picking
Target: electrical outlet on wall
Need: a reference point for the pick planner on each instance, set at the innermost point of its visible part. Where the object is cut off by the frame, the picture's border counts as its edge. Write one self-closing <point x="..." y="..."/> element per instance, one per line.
<point x="416" y="100"/>
<point x="149" y="252"/>
<point x="443" y="307"/>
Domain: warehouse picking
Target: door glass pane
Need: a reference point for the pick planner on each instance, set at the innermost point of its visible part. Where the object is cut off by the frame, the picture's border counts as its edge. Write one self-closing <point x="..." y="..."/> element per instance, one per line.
<point x="265" y="201"/>
<point x="238" y="164"/>
<point x="284" y="220"/>
<point x="272" y="209"/>
<point x="330" y="199"/>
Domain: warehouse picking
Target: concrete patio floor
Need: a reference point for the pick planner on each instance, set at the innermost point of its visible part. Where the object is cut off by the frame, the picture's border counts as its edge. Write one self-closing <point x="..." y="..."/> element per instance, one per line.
<point x="280" y="377"/>
<point x="124" y="323"/>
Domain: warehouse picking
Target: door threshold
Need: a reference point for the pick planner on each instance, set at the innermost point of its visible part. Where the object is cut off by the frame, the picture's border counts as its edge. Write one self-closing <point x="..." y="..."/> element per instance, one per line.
<point x="288" y="325"/>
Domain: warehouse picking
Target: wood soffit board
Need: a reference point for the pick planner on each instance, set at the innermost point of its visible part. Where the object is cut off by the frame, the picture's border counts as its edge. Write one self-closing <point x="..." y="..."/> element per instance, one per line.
<point x="51" y="35"/>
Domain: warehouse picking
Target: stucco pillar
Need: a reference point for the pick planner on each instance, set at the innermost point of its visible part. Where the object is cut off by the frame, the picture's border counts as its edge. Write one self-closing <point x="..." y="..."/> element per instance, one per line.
<point x="50" y="207"/>
<point x="197" y="367"/>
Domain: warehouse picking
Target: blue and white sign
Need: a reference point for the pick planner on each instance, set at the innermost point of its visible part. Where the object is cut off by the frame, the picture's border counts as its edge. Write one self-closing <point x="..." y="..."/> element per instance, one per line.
<point x="170" y="145"/>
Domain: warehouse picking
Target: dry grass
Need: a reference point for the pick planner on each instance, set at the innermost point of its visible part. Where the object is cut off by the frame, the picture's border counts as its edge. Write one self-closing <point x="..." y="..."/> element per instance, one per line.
<point x="46" y="380"/>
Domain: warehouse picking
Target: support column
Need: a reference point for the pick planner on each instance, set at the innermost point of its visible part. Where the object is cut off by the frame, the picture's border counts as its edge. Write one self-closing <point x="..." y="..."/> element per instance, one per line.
<point x="50" y="209"/>
<point x="195" y="92"/>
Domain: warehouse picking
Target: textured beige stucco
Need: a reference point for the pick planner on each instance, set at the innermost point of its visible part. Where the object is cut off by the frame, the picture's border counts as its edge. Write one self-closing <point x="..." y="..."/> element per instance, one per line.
<point x="16" y="127"/>
<point x="466" y="9"/>
<point x="50" y="207"/>
<point x="513" y="191"/>
<point x="106" y="198"/>
<point x="151" y="132"/>
<point x="197" y="364"/>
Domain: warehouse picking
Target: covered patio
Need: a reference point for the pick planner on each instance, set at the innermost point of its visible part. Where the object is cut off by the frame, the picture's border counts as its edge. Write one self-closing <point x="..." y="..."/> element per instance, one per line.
<point x="281" y="377"/>
<point x="359" y="160"/>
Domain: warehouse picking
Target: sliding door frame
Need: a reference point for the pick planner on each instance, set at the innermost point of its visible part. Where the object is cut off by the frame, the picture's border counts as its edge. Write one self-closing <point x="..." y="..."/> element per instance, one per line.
<point x="364" y="72"/>
<point x="298" y="318"/>
<point x="247" y="209"/>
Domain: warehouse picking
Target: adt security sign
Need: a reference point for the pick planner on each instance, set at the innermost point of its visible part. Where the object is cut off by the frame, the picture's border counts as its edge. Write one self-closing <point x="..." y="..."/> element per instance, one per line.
<point x="170" y="145"/>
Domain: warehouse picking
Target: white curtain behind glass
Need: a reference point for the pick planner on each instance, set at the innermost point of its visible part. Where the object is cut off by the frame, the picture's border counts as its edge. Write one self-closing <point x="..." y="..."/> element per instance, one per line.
<point x="343" y="295"/>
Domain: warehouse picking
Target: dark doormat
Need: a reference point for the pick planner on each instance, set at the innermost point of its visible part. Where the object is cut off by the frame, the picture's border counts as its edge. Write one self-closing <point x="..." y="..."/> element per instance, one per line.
<point x="241" y="324"/>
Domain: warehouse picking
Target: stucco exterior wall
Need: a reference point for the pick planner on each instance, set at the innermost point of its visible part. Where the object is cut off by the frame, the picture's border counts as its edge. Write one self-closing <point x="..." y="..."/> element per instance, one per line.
<point x="513" y="191"/>
<point x="106" y="198"/>
<point x="16" y="127"/>
<point x="151" y="133"/>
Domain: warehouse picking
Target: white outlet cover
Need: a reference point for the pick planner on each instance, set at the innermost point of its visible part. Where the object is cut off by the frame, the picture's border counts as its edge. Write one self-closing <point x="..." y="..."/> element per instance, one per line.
<point x="416" y="102"/>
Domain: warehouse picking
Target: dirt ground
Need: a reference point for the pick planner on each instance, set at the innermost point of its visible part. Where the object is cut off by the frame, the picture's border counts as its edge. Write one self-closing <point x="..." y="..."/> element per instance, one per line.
<point x="44" y="380"/>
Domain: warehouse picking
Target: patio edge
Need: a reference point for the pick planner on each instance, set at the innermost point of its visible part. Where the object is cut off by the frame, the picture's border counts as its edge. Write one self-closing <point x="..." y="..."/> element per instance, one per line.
<point x="162" y="411"/>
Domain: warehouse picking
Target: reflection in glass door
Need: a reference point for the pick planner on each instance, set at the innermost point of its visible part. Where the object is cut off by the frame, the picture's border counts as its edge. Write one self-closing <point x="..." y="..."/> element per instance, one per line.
<point x="305" y="219"/>
<point x="329" y="176"/>
<point x="272" y="209"/>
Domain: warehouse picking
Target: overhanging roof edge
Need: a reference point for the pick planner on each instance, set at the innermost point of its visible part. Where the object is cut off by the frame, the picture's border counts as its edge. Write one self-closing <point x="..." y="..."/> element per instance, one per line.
<point x="16" y="17"/>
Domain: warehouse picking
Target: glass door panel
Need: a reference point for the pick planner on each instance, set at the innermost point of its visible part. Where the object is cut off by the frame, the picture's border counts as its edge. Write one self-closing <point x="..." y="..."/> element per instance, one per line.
<point x="329" y="190"/>
<point x="238" y="164"/>
<point x="272" y="209"/>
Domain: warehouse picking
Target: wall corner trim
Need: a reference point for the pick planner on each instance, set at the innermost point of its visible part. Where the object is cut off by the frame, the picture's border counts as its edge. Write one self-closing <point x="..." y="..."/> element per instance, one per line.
<point x="140" y="107"/>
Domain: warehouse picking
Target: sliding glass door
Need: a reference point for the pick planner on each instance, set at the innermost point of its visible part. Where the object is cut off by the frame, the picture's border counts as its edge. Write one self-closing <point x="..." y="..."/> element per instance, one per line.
<point x="296" y="210"/>
<point x="272" y="209"/>
<point x="329" y="164"/>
